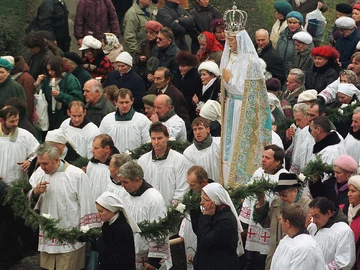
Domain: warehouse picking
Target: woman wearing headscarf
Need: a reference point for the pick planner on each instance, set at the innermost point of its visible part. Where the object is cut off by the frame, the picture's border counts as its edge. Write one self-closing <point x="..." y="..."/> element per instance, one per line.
<point x="211" y="110"/>
<point x="210" y="48"/>
<point x="303" y="42"/>
<point x="323" y="71"/>
<point x="218" y="231"/>
<point x="276" y="109"/>
<point x="116" y="243"/>
<point x="111" y="47"/>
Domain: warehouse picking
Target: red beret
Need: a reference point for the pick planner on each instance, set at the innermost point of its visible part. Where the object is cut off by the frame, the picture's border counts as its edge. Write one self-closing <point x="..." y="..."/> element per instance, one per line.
<point x="326" y="52"/>
<point x="356" y="6"/>
<point x="153" y="25"/>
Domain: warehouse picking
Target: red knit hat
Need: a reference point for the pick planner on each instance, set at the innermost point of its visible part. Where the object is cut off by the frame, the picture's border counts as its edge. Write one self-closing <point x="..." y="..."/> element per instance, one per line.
<point x="326" y="52"/>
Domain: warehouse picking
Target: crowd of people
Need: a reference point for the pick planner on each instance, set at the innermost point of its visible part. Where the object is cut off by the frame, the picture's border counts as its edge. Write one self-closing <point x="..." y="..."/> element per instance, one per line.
<point x="250" y="111"/>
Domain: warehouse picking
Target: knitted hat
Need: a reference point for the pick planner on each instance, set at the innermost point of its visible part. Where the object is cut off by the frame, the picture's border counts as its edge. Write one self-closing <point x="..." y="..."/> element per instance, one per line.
<point x="126" y="58"/>
<point x="345" y="23"/>
<point x="303" y="37"/>
<point x="344" y="8"/>
<point x="89" y="42"/>
<point x="286" y="181"/>
<point x="149" y="99"/>
<point x="356" y="6"/>
<point x="152" y="64"/>
<point x="296" y="15"/>
<point x="273" y="84"/>
<point x="308" y="95"/>
<point x="325" y="51"/>
<point x="216" y="23"/>
<point x="187" y="59"/>
<point x="355" y="181"/>
<point x="9" y="58"/>
<point x="347" y="163"/>
<point x="73" y="57"/>
<point x="153" y="25"/>
<point x="210" y="66"/>
<point x="283" y="7"/>
<point x="5" y="64"/>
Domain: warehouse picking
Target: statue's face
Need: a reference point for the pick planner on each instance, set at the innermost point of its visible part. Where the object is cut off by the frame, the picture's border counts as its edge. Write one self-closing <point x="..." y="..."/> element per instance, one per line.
<point x="231" y="40"/>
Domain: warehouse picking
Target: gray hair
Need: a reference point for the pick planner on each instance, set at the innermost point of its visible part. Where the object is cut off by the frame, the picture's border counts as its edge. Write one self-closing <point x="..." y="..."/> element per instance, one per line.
<point x="96" y="86"/>
<point x="120" y="159"/>
<point x="262" y="31"/>
<point x="131" y="170"/>
<point x="351" y="75"/>
<point x="201" y="37"/>
<point x="357" y="110"/>
<point x="300" y="76"/>
<point x="301" y="107"/>
<point x="51" y="151"/>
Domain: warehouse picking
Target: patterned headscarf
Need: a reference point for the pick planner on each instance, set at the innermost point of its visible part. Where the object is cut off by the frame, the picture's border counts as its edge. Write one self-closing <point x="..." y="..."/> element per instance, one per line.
<point x="111" y="42"/>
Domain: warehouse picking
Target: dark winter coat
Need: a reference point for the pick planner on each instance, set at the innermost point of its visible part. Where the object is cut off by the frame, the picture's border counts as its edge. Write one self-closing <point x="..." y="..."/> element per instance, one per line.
<point x="167" y="16"/>
<point x="217" y="238"/>
<point x="82" y="75"/>
<point x="167" y="56"/>
<point x="211" y="93"/>
<point x="303" y="60"/>
<point x="319" y="78"/>
<point x="95" y="18"/>
<point x="10" y="89"/>
<point x="346" y="46"/>
<point x="97" y="112"/>
<point x="37" y="62"/>
<point x="116" y="245"/>
<point x="189" y="85"/>
<point x="308" y="6"/>
<point x="131" y="81"/>
<point x="274" y="64"/>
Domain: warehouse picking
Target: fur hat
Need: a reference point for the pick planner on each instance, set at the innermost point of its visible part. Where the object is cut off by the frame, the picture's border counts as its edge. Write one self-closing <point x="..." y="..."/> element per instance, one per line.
<point x="89" y="42"/>
<point x="345" y="23"/>
<point x="283" y="7"/>
<point x="273" y="84"/>
<point x="296" y="15"/>
<point x="187" y="59"/>
<point x="126" y="58"/>
<point x="153" y="25"/>
<point x="325" y="51"/>
<point x="346" y="163"/>
<point x="344" y="8"/>
<point x="211" y="67"/>
<point x="74" y="57"/>
<point x="303" y="37"/>
<point x="286" y="181"/>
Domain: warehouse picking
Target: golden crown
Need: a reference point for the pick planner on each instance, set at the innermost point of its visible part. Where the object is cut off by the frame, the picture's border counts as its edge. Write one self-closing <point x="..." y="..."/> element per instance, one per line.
<point x="235" y="20"/>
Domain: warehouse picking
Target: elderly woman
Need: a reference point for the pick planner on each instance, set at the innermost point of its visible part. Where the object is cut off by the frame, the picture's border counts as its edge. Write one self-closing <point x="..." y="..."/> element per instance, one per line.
<point x="60" y="88"/>
<point x="217" y="27"/>
<point x="210" y="48"/>
<point x="285" y="45"/>
<point x="336" y="187"/>
<point x="116" y="242"/>
<point x="303" y="44"/>
<point x="323" y="71"/>
<point x="347" y="93"/>
<point x="74" y="64"/>
<point x="281" y="9"/>
<point x="187" y="79"/>
<point x="288" y="191"/>
<point x="209" y="75"/>
<point x="95" y="61"/>
<point x="218" y="230"/>
<point x="111" y="47"/>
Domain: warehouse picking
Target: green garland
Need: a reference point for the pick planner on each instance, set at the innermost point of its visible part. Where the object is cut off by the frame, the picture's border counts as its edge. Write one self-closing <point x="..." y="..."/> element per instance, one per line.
<point x="260" y="214"/>
<point x="178" y="146"/>
<point x="340" y="115"/>
<point x="316" y="168"/>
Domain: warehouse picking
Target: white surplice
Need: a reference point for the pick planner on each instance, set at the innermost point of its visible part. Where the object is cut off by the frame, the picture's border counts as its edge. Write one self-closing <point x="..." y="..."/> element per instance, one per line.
<point x="176" y="128"/>
<point x="13" y="152"/>
<point x="81" y="137"/>
<point x="352" y="147"/>
<point x="190" y="241"/>
<point x="168" y="176"/>
<point x="69" y="198"/>
<point x="127" y="135"/>
<point x="99" y="177"/>
<point x="298" y="253"/>
<point x="207" y="158"/>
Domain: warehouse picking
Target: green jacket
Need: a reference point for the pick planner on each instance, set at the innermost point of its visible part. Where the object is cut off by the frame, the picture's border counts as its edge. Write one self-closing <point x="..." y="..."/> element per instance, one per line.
<point x="134" y="30"/>
<point x="10" y="89"/>
<point x="70" y="89"/>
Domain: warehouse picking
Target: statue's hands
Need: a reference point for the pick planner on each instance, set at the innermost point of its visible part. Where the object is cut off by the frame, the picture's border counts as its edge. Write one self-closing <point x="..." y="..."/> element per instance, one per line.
<point x="226" y="74"/>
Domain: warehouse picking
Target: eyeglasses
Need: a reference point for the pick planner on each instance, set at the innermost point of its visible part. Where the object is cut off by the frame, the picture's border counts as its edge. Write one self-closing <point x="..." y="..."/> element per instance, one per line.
<point x="159" y="38"/>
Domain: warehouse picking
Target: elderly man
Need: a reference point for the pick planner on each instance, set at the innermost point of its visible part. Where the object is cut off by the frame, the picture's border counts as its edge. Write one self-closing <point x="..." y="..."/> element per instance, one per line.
<point x="352" y="140"/>
<point x="297" y="249"/>
<point x="17" y="146"/>
<point x="265" y="50"/>
<point x="288" y="191"/>
<point x="303" y="42"/>
<point x="330" y="230"/>
<point x="56" y="177"/>
<point x="163" y="167"/>
<point x="79" y="129"/>
<point x="205" y="149"/>
<point x="98" y="167"/>
<point x="97" y="105"/>
<point x="294" y="85"/>
<point x="128" y="128"/>
<point x="165" y="113"/>
<point x="126" y="77"/>
<point x="257" y="244"/>
<point x="349" y="37"/>
<point x="145" y="203"/>
<point x="163" y="85"/>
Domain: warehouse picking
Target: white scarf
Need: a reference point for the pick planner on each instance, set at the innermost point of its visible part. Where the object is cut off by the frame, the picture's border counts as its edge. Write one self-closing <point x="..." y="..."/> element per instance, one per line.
<point x="352" y="212"/>
<point x="210" y="83"/>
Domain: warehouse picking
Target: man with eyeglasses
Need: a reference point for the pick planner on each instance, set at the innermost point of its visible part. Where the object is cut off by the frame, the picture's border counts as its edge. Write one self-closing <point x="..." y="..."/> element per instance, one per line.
<point x="258" y="237"/>
<point x="288" y="191"/>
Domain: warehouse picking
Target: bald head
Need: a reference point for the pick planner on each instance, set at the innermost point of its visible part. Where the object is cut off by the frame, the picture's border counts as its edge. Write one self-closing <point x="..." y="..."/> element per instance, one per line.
<point x="162" y="105"/>
<point x="262" y="38"/>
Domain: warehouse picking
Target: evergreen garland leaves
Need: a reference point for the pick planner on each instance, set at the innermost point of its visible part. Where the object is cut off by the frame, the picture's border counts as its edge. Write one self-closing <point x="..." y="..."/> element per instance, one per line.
<point x="316" y="168"/>
<point x="342" y="114"/>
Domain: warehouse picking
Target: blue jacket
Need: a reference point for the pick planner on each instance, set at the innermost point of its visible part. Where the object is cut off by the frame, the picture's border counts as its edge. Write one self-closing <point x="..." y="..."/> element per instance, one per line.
<point x="346" y="46"/>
